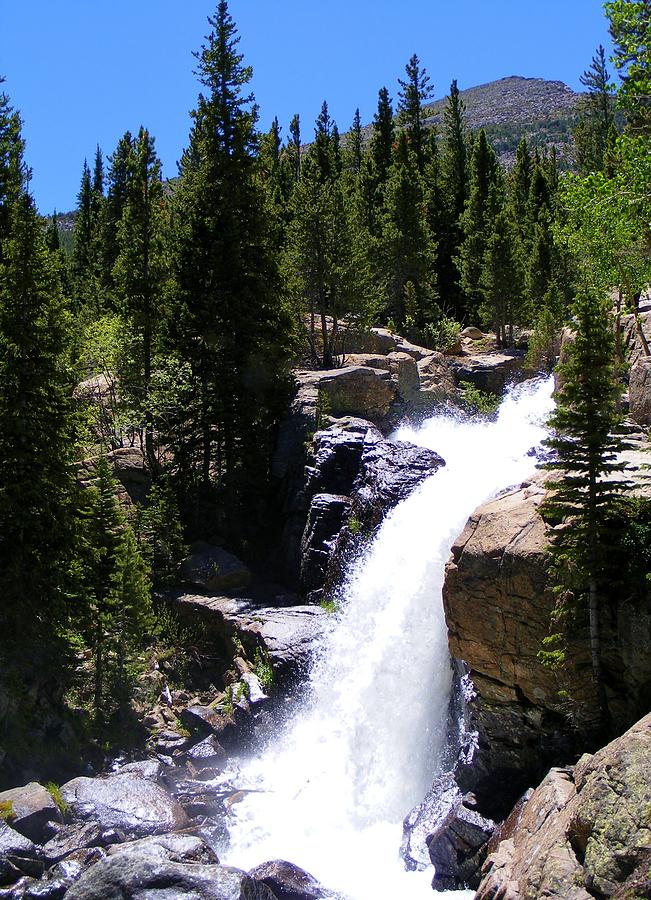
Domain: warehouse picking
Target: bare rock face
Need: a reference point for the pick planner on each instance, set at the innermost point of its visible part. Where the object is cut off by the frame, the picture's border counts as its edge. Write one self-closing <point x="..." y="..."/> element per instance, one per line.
<point x="498" y="608"/>
<point x="631" y="341"/>
<point x="498" y="605"/>
<point x="584" y="832"/>
<point x="488" y="371"/>
<point x="639" y="391"/>
<point x="354" y="389"/>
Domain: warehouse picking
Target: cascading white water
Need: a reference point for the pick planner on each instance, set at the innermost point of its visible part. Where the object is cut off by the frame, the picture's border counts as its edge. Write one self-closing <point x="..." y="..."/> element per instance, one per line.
<point x="332" y="790"/>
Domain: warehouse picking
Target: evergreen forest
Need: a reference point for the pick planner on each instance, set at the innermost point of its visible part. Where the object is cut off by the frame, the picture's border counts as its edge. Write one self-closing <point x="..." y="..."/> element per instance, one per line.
<point x="170" y="328"/>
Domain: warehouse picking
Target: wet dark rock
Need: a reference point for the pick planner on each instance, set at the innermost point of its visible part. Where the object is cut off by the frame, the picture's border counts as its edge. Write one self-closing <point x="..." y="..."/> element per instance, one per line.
<point x="390" y="471"/>
<point x="338" y="456"/>
<point x="71" y="868"/>
<point x="326" y="518"/>
<point x="32" y="807"/>
<point x="444" y="830"/>
<point x="18" y="855"/>
<point x="288" y="882"/>
<point x="356" y="476"/>
<point x="54" y="889"/>
<point x="458" y="850"/>
<point x="149" y="873"/>
<point x="129" y="802"/>
<point x="431" y="814"/>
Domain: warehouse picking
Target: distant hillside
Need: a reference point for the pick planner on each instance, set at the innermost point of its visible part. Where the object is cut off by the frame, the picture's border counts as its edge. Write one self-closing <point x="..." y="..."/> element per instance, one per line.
<point x="545" y="112"/>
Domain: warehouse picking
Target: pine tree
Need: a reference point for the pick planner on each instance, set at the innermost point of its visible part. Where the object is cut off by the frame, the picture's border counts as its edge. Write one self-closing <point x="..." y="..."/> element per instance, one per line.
<point x="140" y="274"/>
<point x="455" y="161"/>
<point x="585" y="443"/>
<point x="355" y="145"/>
<point x="376" y="165"/>
<point x="519" y="184"/>
<point x="36" y="431"/>
<point x="597" y="118"/>
<point x="630" y="29"/>
<point x="83" y="233"/>
<point x="454" y="185"/>
<point x="294" y="147"/>
<point x="415" y="91"/>
<point x="407" y="253"/>
<point x="228" y="322"/>
<point x="89" y="283"/>
<point x="116" y="593"/>
<point x="476" y="220"/>
<point x="13" y="172"/>
<point x="323" y="260"/>
<point x="501" y="279"/>
<point x="114" y="204"/>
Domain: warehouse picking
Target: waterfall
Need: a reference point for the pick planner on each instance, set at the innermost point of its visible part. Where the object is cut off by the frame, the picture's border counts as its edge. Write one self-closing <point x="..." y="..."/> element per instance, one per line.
<point x="332" y="789"/>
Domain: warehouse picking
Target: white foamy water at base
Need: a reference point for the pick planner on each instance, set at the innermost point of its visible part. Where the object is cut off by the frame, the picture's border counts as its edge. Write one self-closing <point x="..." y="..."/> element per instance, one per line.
<point x="333" y="788"/>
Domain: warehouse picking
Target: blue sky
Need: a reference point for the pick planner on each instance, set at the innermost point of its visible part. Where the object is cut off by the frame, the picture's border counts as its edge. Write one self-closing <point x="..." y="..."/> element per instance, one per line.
<point x="82" y="72"/>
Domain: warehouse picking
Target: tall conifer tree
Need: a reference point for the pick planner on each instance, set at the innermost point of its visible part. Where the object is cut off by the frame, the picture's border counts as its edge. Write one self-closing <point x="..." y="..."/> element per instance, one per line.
<point x="477" y="219"/>
<point x="140" y="273"/>
<point x="415" y="91"/>
<point x="585" y="441"/>
<point x="228" y="320"/>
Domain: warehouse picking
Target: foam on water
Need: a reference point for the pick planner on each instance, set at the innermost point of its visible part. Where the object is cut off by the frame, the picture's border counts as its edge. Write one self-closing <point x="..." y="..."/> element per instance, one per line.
<point x="333" y="787"/>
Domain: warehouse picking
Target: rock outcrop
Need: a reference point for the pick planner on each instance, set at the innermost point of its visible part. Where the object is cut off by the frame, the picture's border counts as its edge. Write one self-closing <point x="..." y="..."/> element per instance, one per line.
<point x="489" y="371"/>
<point x="164" y="870"/>
<point x="286" y="635"/>
<point x="371" y="475"/>
<point x="288" y="882"/>
<point x="583" y="833"/>
<point x="498" y="606"/>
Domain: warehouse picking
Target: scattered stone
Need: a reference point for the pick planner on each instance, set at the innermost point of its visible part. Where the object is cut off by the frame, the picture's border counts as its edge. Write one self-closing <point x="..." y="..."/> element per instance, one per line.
<point x="32" y="807"/>
<point x="208" y="753"/>
<point x="150" y="873"/>
<point x="471" y="333"/>
<point x="71" y="868"/>
<point x="137" y="806"/>
<point x="174" y="847"/>
<point x="288" y="882"/>
<point x="210" y="721"/>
